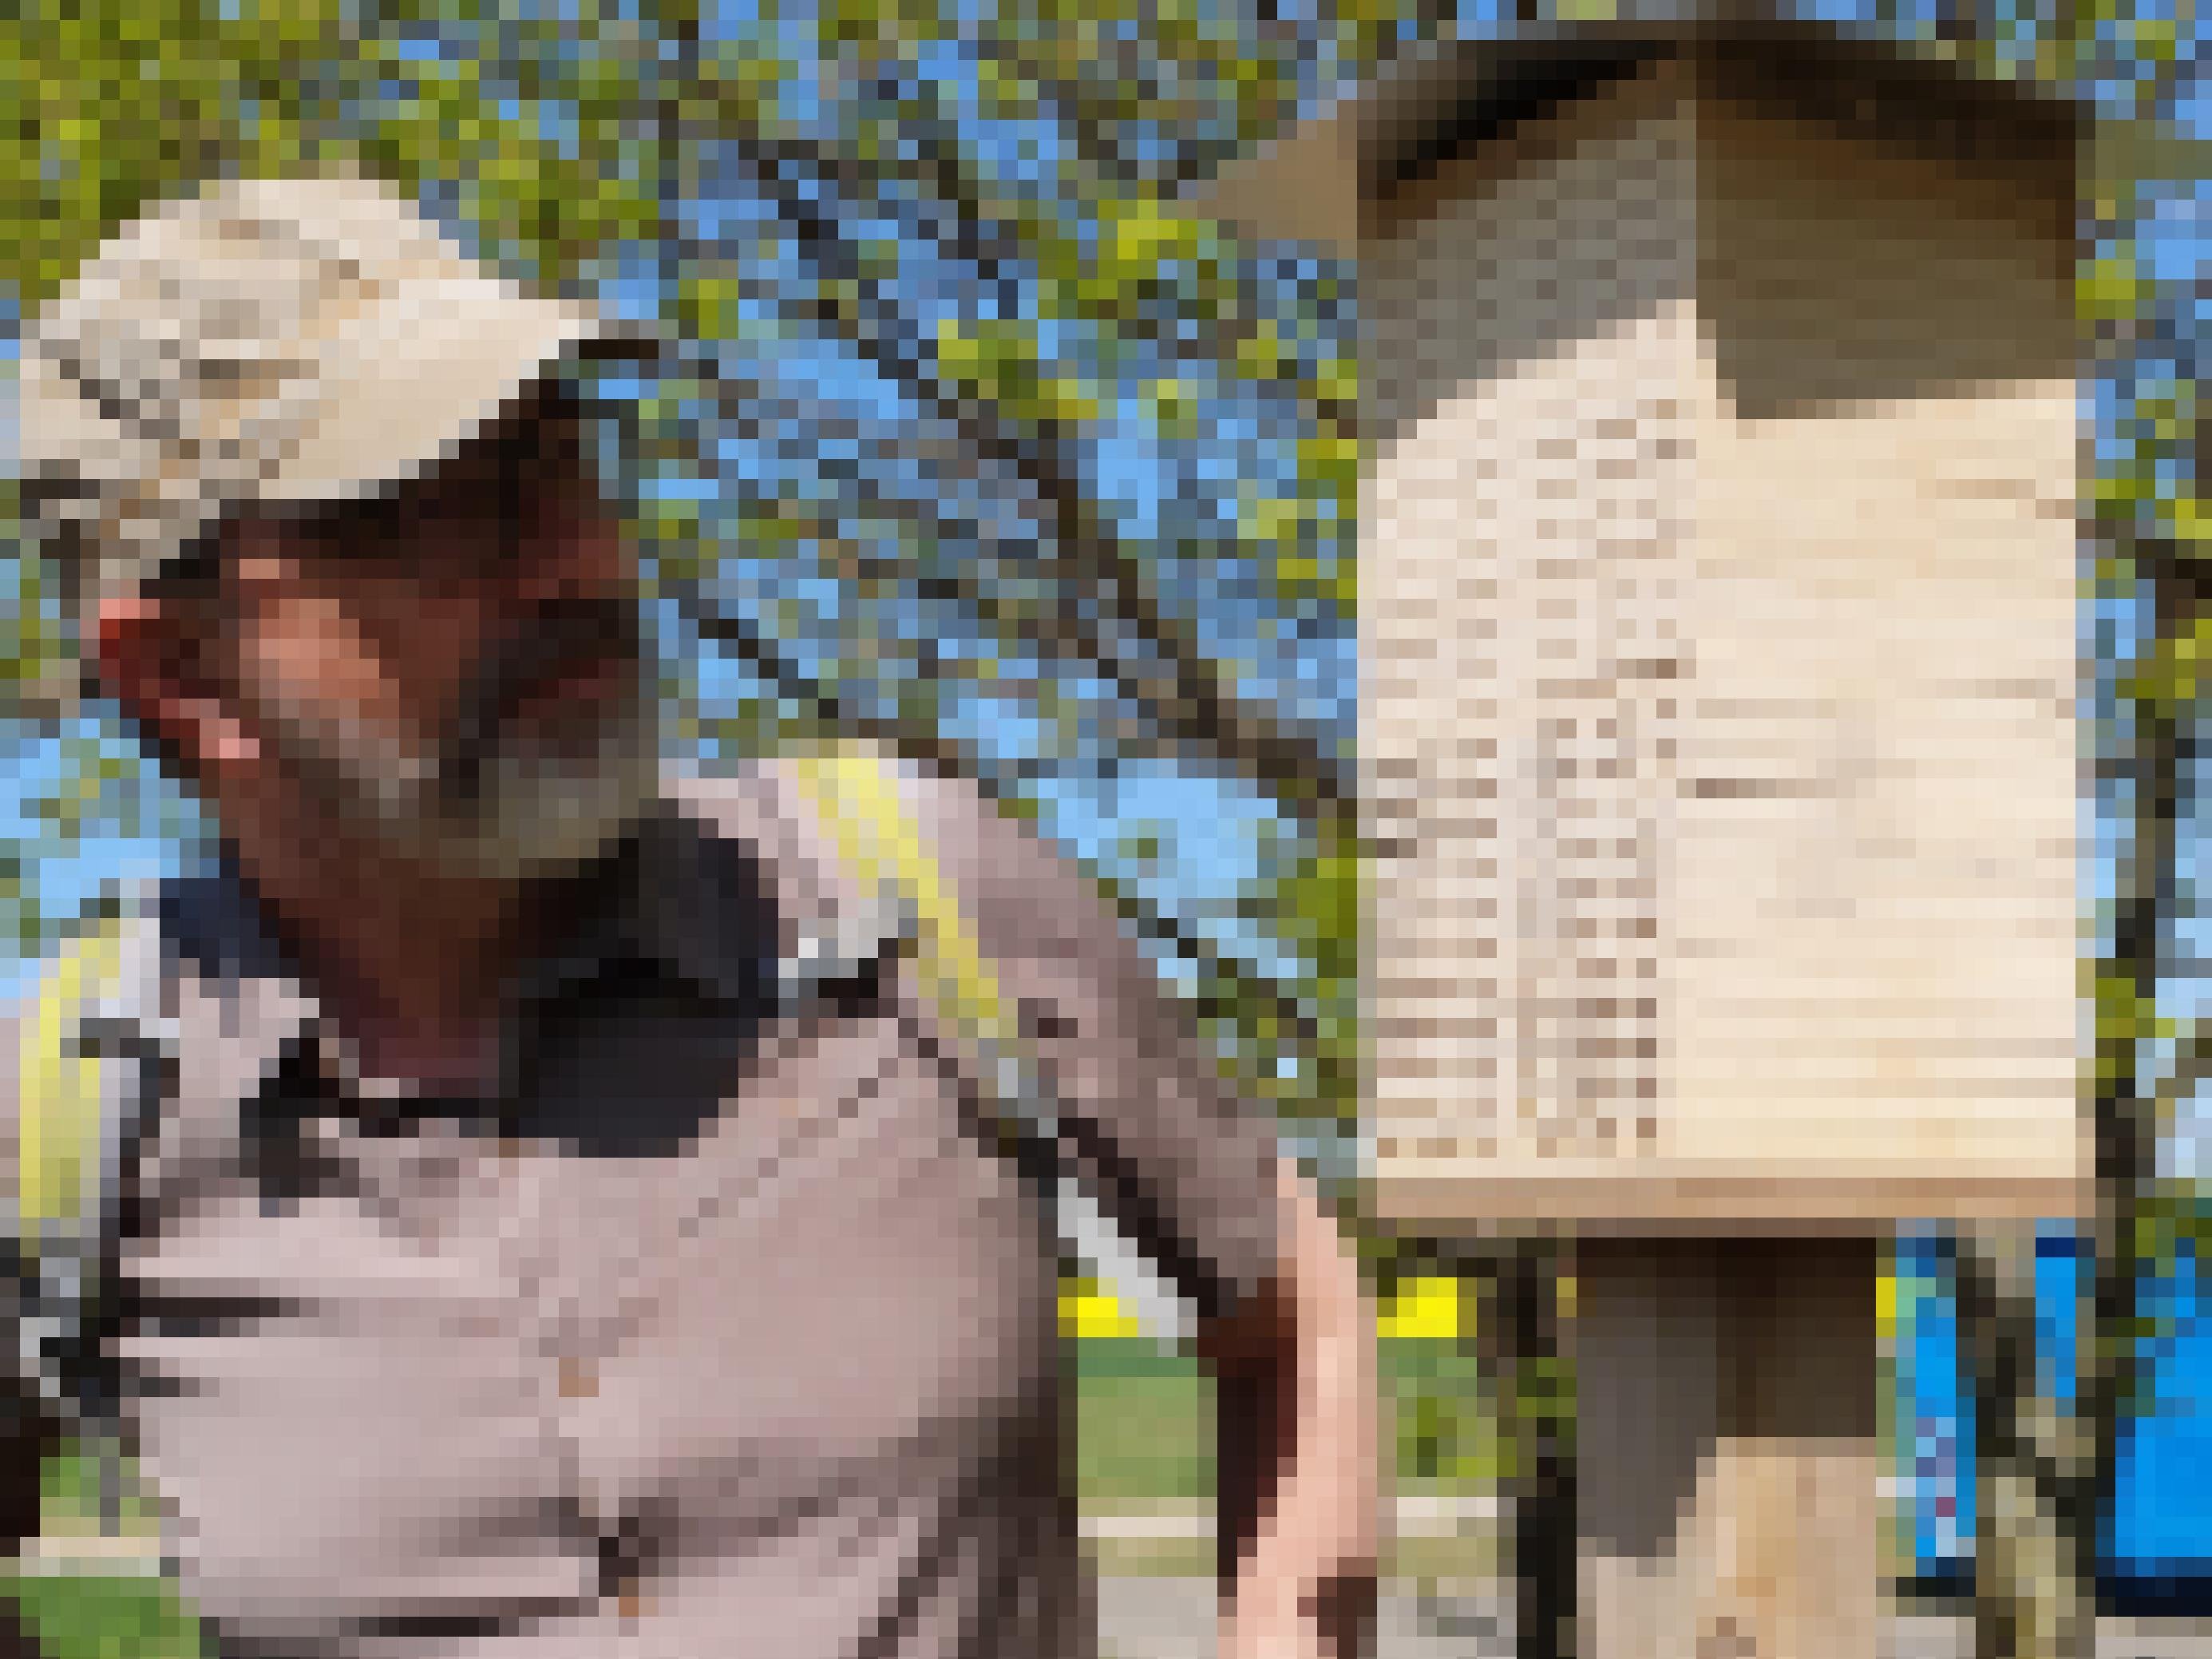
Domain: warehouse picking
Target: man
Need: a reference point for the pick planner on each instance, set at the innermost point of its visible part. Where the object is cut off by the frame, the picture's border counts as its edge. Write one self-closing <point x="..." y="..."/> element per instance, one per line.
<point x="508" y="1263"/>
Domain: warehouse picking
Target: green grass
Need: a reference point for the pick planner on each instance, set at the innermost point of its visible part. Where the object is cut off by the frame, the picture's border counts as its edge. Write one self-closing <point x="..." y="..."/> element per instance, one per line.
<point x="1144" y="1423"/>
<point x="90" y="1614"/>
<point x="82" y="1616"/>
<point x="1444" y="1419"/>
<point x="1144" y="1427"/>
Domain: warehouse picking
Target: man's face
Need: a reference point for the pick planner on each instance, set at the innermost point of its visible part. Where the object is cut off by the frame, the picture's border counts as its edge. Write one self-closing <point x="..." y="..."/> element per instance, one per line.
<point x="455" y="667"/>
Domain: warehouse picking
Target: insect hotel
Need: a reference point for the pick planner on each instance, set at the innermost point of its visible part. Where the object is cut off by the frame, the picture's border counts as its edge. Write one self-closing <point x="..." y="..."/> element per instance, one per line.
<point x="1718" y="650"/>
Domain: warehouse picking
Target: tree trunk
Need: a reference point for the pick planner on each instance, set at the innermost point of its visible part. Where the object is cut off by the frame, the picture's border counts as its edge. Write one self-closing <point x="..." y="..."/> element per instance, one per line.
<point x="2034" y="1569"/>
<point x="1520" y="1331"/>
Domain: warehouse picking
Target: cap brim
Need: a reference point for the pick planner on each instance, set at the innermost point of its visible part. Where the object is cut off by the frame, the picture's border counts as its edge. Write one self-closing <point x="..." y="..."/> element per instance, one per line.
<point x="403" y="396"/>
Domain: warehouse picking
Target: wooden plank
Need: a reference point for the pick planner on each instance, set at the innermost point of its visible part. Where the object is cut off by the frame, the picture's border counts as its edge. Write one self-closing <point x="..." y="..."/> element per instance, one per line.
<point x="1478" y="1198"/>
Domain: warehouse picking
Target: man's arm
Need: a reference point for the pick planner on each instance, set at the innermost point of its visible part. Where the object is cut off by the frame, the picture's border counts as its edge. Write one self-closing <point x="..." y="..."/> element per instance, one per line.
<point x="1192" y="1170"/>
<point x="1299" y="1447"/>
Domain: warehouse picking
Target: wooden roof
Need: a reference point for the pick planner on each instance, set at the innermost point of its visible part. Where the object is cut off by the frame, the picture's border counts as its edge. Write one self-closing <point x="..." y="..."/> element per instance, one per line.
<point x="1323" y="181"/>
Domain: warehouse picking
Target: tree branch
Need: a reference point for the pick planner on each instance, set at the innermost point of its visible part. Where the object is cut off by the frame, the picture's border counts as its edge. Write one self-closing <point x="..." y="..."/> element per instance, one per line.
<point x="1187" y="694"/>
<point x="2192" y="1065"/>
<point x="1246" y="985"/>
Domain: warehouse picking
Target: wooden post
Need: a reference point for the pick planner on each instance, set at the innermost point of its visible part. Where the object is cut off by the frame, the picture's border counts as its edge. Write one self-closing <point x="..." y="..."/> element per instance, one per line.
<point x="1726" y="1448"/>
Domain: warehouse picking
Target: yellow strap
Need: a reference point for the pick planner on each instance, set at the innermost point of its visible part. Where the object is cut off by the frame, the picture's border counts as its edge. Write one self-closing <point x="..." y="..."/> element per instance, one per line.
<point x="59" y="1093"/>
<point x="856" y="798"/>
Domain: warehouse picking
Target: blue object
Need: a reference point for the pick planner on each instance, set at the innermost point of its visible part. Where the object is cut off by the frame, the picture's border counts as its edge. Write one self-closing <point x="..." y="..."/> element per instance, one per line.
<point x="2158" y="1544"/>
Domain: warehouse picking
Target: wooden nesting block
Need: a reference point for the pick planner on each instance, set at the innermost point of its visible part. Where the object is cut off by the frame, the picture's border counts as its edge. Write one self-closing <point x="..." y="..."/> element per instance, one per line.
<point x="1718" y="637"/>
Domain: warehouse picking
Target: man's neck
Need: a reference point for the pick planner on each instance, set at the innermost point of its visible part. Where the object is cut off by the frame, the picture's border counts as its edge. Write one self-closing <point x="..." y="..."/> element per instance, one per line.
<point x="412" y="964"/>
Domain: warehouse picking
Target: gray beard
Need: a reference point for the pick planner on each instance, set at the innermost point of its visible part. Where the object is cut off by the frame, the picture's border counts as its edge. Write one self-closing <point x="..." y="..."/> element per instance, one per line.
<point x="518" y="810"/>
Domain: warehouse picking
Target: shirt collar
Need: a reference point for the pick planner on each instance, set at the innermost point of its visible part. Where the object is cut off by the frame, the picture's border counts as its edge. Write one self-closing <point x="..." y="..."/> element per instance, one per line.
<point x="671" y="894"/>
<point x="703" y="905"/>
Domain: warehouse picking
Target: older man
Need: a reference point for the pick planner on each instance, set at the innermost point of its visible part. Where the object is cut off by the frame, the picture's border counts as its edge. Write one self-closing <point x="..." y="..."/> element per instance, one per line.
<point x="505" y="1261"/>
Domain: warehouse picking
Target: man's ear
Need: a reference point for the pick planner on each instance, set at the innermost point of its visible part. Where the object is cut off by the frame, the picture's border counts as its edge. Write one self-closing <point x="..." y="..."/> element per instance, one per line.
<point x="149" y="658"/>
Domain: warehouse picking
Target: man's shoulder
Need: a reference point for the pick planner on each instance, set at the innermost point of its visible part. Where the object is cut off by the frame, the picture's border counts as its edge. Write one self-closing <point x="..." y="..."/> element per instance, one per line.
<point x="1019" y="896"/>
<point x="767" y="804"/>
<point x="977" y="847"/>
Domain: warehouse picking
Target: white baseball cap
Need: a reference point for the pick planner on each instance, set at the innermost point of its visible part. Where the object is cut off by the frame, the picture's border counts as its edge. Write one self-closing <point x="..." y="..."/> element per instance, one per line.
<point x="297" y="340"/>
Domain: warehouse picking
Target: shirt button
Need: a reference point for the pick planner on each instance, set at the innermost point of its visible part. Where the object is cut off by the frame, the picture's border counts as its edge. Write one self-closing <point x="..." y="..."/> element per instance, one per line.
<point x="579" y="1380"/>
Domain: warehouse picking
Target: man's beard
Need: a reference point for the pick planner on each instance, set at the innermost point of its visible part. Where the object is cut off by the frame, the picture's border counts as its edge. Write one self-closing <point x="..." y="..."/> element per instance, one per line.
<point x="487" y="800"/>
